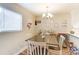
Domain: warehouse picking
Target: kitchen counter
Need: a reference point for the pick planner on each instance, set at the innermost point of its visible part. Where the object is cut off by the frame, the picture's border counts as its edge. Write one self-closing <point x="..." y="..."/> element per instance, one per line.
<point x="75" y="39"/>
<point x="75" y="35"/>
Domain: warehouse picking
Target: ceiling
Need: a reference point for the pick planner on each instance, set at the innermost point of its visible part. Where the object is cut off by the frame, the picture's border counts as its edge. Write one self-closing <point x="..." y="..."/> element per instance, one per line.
<point x="39" y="8"/>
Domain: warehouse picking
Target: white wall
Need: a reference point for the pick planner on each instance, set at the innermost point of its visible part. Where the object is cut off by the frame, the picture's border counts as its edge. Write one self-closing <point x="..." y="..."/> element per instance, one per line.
<point x="12" y="42"/>
<point x="75" y="25"/>
<point x="62" y="22"/>
<point x="75" y="18"/>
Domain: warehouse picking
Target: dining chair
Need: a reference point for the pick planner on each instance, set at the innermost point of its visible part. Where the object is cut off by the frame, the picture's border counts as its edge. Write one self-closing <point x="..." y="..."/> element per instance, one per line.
<point x="61" y="41"/>
<point x="37" y="48"/>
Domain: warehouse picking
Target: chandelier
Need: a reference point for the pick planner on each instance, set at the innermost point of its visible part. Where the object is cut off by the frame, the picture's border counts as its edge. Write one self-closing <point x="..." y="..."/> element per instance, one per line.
<point x="47" y="14"/>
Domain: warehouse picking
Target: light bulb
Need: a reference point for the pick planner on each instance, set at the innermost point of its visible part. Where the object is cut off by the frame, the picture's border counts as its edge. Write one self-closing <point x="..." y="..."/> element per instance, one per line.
<point x="50" y="14"/>
<point x="43" y="15"/>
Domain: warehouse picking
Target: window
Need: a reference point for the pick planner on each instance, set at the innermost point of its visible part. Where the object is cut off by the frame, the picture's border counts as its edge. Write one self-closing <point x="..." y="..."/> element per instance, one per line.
<point x="10" y="21"/>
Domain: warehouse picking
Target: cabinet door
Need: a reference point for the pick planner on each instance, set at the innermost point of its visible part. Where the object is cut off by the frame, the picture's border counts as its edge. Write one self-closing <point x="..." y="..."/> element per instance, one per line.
<point x="1" y="19"/>
<point x="13" y="21"/>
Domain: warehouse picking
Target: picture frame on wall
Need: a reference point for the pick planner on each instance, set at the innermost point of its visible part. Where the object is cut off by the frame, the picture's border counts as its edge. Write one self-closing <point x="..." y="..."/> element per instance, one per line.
<point x="37" y="22"/>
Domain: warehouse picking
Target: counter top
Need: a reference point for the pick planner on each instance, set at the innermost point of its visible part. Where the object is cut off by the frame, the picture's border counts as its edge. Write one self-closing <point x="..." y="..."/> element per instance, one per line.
<point x="75" y="39"/>
<point x="75" y="35"/>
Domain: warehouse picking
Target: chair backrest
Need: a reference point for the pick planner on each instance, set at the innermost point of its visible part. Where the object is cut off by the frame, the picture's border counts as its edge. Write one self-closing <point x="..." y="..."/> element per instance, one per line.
<point x="61" y="41"/>
<point x="37" y="48"/>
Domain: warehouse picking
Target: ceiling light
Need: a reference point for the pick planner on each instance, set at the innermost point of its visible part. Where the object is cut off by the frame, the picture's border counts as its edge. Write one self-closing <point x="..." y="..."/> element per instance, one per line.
<point x="47" y="14"/>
